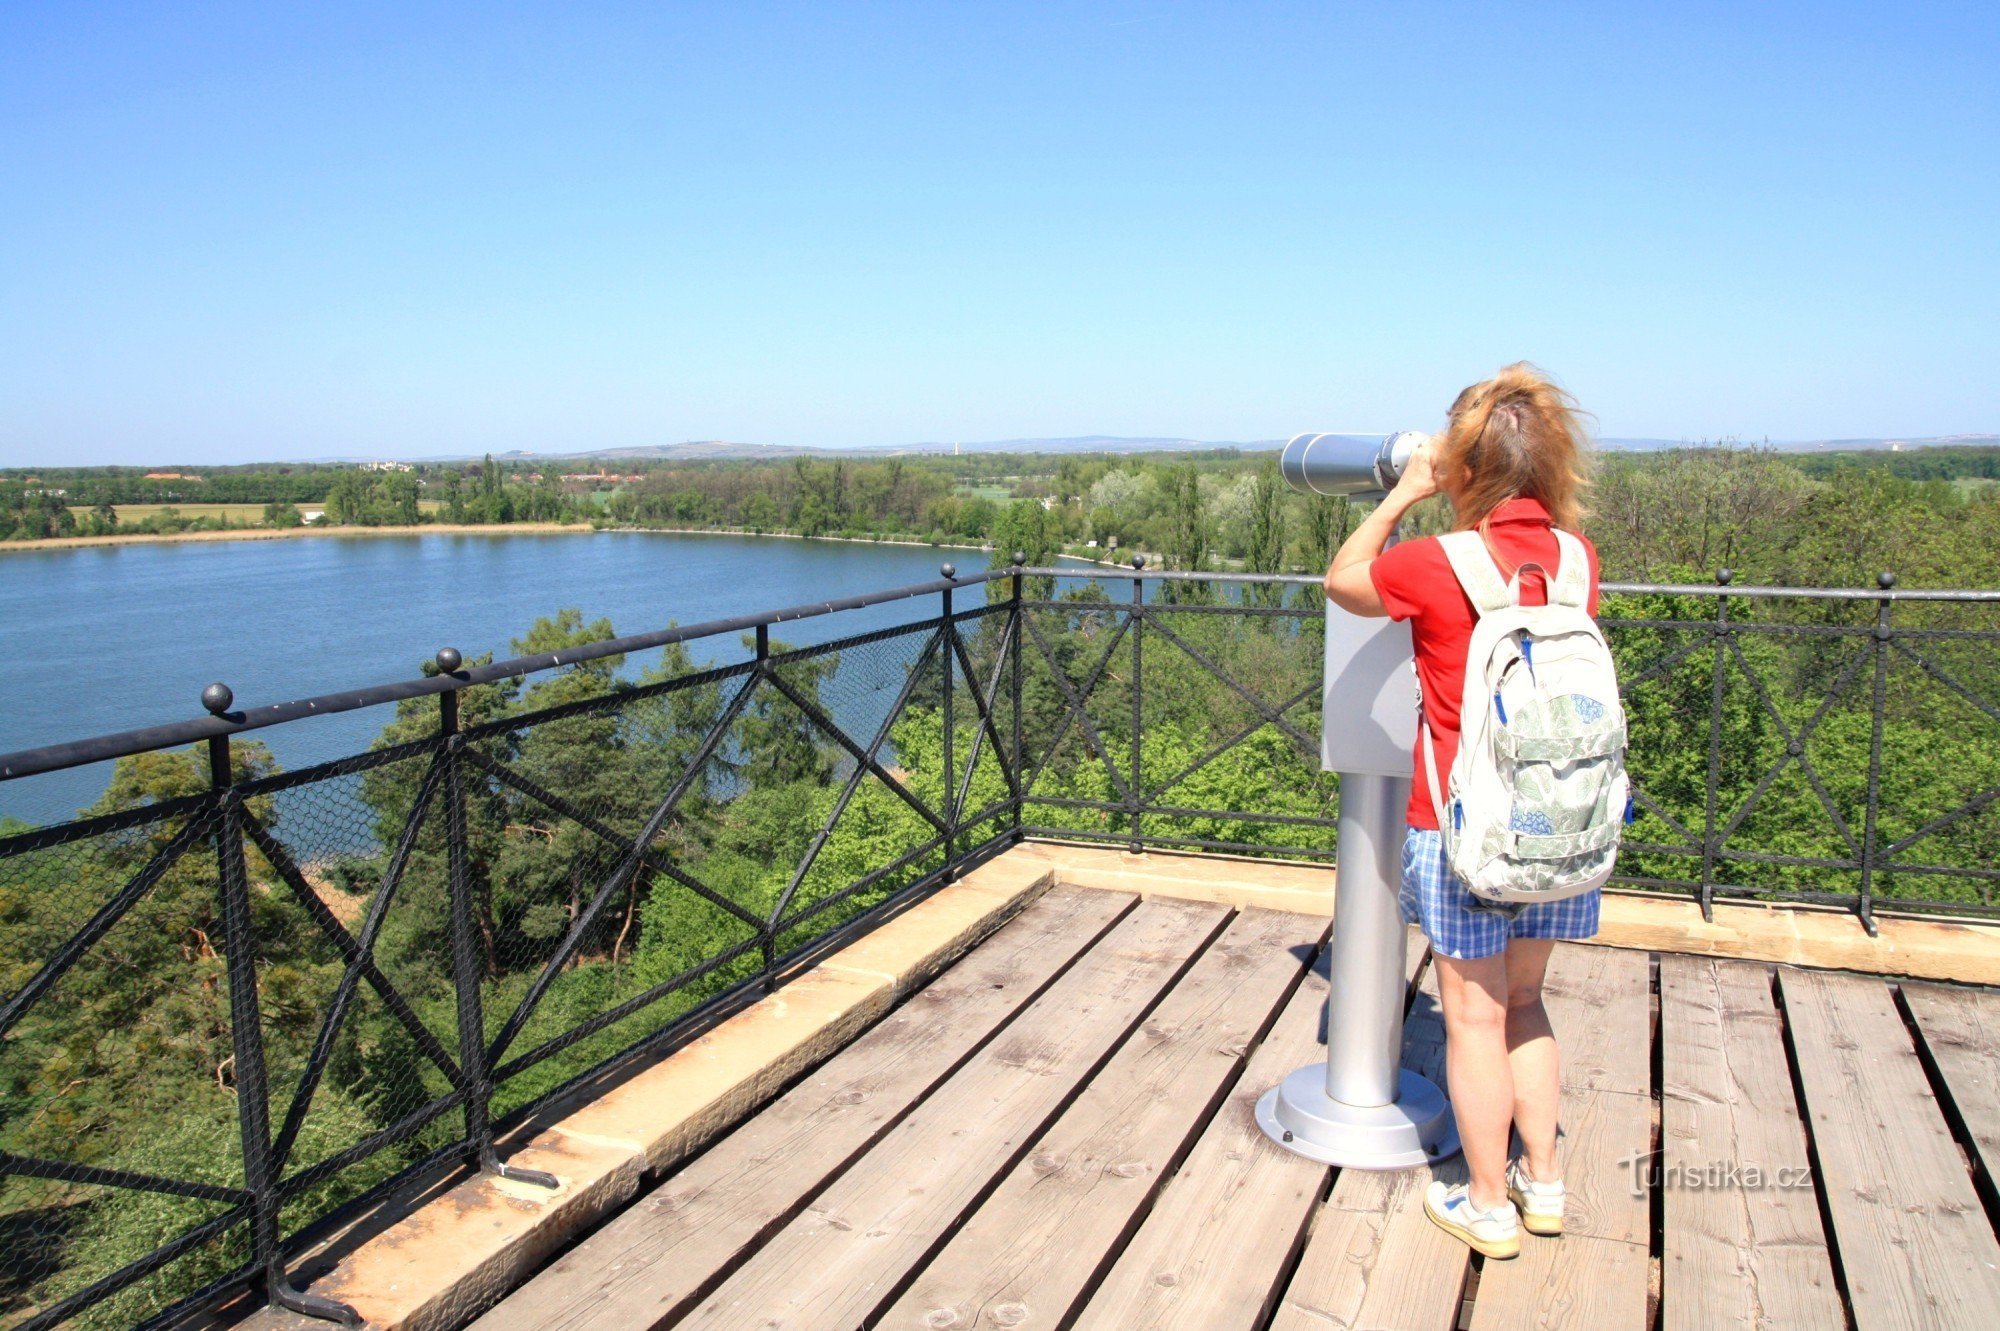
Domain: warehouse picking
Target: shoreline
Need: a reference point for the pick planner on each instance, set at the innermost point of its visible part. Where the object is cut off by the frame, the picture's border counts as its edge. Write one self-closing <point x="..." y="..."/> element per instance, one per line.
<point x="461" y="529"/>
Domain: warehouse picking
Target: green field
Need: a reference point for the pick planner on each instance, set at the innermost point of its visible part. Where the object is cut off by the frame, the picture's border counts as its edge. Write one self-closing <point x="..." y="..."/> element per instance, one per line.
<point x="998" y="494"/>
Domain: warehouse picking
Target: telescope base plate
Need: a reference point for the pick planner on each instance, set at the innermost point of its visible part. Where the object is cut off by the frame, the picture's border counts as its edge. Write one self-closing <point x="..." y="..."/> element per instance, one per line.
<point x="1417" y="1129"/>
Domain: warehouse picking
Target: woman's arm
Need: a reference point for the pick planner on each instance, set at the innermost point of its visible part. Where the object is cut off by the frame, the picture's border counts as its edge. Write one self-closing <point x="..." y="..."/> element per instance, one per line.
<point x="1348" y="584"/>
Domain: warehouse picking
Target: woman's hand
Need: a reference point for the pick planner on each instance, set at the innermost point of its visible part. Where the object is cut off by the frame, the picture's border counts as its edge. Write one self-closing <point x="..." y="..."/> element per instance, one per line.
<point x="1349" y="584"/>
<point x="1419" y="479"/>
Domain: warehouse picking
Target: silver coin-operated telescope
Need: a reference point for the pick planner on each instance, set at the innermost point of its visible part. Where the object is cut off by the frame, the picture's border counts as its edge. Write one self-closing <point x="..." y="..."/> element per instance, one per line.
<point x="1361" y="1108"/>
<point x="1347" y="465"/>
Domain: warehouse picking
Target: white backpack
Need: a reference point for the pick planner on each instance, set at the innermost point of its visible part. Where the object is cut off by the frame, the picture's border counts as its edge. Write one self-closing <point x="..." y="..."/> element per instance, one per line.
<point x="1538" y="795"/>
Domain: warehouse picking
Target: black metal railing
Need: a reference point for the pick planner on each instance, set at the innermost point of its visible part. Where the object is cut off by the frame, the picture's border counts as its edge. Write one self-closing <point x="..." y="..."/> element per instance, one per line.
<point x="242" y="1004"/>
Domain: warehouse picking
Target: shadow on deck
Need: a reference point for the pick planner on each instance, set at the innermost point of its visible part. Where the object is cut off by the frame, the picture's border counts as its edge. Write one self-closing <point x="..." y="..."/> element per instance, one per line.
<point x="1057" y="1131"/>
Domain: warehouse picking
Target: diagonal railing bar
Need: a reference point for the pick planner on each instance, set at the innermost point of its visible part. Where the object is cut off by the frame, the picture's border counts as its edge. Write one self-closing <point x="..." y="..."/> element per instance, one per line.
<point x="343" y="994"/>
<point x="1272" y="716"/>
<point x="613" y="1015"/>
<point x="100" y="924"/>
<point x="1974" y="805"/>
<point x="1943" y="677"/>
<point x="911" y="680"/>
<point x="826" y="723"/>
<point x="1062" y="732"/>
<point x="133" y="1272"/>
<point x="336" y="934"/>
<point x="1077" y="700"/>
<point x="863" y="883"/>
<point x="1795" y="746"/>
<point x="1654" y="669"/>
<point x="544" y="796"/>
<point x="1647" y="803"/>
<point x="627" y="866"/>
<point x="983" y="702"/>
<point x="406" y="1126"/>
<point x="28" y="1166"/>
<point x="1803" y="762"/>
<point x="1303" y="695"/>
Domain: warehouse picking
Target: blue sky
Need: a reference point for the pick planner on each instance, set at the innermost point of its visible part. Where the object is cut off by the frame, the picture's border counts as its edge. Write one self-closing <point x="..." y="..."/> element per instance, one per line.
<point x="235" y="232"/>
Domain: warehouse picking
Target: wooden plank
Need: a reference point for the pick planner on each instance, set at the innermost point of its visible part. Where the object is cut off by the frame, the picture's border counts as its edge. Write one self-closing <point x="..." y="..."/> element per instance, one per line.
<point x="1914" y="1242"/>
<point x="1600" y="1003"/>
<point x="1735" y="1256"/>
<point x="1961" y="1031"/>
<point x="1031" y="1248"/>
<point x="1374" y="1259"/>
<point x="1210" y="1253"/>
<point x="845" y="1255"/>
<point x="660" y="1252"/>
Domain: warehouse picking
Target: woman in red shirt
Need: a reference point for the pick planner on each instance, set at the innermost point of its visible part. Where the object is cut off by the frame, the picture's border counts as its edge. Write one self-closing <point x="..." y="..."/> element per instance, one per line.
<point x="1511" y="461"/>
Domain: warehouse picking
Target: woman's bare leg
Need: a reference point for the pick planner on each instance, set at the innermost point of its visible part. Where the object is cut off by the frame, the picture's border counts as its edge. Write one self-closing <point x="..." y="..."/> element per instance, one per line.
<point x="1474" y="995"/>
<point x="1532" y="1057"/>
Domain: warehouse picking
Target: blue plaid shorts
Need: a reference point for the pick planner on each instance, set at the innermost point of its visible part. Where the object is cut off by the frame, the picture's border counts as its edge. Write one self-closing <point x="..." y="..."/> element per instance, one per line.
<point x="1463" y="926"/>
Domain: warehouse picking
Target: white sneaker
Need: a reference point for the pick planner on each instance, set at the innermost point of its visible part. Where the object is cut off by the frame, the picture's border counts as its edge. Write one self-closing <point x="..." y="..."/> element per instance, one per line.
<point x="1540" y="1204"/>
<point x="1495" y="1232"/>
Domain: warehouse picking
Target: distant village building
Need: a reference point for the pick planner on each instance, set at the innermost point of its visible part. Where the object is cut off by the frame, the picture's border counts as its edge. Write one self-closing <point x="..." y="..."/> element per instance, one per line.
<point x="601" y="478"/>
<point x="386" y="466"/>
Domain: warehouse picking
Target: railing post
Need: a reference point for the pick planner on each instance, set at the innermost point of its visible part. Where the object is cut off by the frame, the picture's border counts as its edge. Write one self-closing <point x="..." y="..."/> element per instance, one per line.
<point x="246" y="1034"/>
<point x="465" y="963"/>
<point x="1865" y="902"/>
<point x="945" y="663"/>
<point x="1019" y="629"/>
<point x="1132" y="789"/>
<point x="767" y="932"/>
<point x="1709" y="847"/>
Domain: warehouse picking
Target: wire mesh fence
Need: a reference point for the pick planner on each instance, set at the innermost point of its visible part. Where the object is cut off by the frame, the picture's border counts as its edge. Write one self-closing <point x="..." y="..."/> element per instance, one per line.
<point x="237" y="1003"/>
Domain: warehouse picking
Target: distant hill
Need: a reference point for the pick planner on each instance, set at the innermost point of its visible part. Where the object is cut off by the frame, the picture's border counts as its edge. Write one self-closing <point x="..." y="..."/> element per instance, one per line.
<point x="717" y="450"/>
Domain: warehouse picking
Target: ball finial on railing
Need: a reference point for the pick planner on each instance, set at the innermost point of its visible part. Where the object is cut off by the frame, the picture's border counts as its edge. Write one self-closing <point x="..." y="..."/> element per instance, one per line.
<point x="1138" y="561"/>
<point x="217" y="697"/>
<point x="1018" y="558"/>
<point x="1885" y="580"/>
<point x="1724" y="576"/>
<point x="949" y="570"/>
<point x="449" y="660"/>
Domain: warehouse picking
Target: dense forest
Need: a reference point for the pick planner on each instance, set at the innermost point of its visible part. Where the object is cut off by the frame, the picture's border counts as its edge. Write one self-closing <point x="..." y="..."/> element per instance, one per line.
<point x="126" y="1063"/>
<point x="1802" y="519"/>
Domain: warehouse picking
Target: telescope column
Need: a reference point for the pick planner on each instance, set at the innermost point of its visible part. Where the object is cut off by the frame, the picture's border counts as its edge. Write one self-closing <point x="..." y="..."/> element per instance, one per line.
<point x="1362" y="1108"/>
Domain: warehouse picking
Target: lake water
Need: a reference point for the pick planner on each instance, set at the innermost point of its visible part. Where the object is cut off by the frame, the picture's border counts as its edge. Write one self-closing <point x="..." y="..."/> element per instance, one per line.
<point x="116" y="637"/>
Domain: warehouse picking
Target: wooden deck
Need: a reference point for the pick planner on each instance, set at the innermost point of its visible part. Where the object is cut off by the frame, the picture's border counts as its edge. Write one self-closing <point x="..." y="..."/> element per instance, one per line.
<point x="1057" y="1132"/>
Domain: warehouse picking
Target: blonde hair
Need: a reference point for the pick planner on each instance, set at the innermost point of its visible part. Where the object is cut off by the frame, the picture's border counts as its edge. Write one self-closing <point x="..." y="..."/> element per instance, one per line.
<point x="1515" y="435"/>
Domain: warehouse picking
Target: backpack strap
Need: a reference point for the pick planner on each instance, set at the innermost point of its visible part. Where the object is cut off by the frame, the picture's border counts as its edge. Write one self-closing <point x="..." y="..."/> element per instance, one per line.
<point x="1572" y="581"/>
<point x="1476" y="571"/>
<point x="1429" y="742"/>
